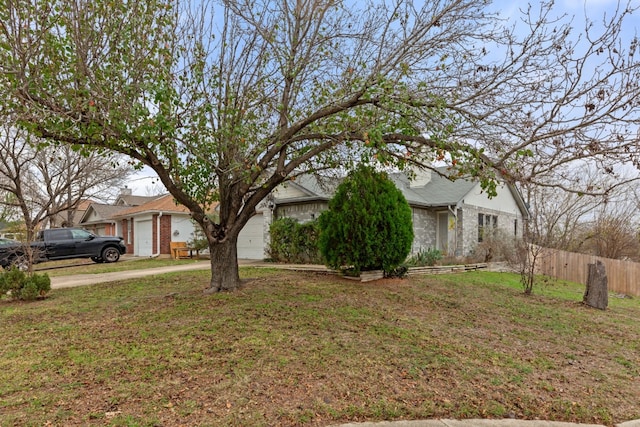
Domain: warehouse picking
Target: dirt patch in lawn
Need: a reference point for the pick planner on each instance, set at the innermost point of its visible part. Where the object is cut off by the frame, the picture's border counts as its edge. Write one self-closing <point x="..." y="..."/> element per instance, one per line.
<point x="305" y="349"/>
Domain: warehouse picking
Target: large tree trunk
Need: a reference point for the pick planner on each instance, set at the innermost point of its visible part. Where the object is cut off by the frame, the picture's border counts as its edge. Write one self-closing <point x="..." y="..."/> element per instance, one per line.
<point x="224" y="265"/>
<point x="596" y="293"/>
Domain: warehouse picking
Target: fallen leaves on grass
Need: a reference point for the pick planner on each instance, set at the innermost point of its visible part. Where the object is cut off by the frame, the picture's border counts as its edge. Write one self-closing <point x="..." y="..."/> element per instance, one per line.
<point x="304" y="349"/>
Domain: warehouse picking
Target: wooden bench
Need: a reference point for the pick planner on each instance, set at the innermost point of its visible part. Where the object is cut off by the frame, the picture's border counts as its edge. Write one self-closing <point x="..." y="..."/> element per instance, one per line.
<point x="179" y="249"/>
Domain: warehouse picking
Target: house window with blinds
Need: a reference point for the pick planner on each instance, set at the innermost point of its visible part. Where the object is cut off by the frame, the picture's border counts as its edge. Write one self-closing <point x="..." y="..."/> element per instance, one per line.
<point x="487" y="224"/>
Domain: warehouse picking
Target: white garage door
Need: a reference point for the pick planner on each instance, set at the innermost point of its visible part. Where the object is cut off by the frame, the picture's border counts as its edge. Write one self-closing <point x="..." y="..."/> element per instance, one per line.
<point x="251" y="239"/>
<point x="143" y="238"/>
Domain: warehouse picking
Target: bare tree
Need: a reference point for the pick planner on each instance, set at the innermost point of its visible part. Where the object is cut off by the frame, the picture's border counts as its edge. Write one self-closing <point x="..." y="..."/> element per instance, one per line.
<point x="613" y="233"/>
<point x="17" y="178"/>
<point x="558" y="217"/>
<point x="46" y="181"/>
<point x="9" y="215"/>
<point x="69" y="177"/>
<point x="227" y="100"/>
<point x="604" y="224"/>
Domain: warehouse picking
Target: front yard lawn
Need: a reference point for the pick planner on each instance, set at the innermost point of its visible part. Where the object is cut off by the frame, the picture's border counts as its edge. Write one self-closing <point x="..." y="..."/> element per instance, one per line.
<point x="310" y="349"/>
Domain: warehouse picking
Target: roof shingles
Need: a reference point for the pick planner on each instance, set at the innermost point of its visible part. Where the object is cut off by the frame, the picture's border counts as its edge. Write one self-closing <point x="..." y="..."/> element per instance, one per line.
<point x="164" y="203"/>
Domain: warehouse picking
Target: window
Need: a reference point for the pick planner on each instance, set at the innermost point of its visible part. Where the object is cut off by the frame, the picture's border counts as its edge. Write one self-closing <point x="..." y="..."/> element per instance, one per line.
<point x="81" y="234"/>
<point x="515" y="227"/>
<point x="59" y="234"/>
<point x="486" y="225"/>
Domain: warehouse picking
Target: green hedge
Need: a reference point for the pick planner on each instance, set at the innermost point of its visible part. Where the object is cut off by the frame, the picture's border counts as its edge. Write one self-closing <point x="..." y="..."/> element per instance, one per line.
<point x="294" y="242"/>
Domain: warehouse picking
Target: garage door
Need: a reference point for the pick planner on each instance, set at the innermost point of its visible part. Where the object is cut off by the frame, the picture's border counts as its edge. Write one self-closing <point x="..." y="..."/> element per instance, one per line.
<point x="143" y="240"/>
<point x="251" y="239"/>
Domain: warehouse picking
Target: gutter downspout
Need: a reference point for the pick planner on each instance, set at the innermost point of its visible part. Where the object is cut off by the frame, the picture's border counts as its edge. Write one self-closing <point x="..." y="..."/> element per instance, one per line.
<point x="454" y="212"/>
<point x="157" y="254"/>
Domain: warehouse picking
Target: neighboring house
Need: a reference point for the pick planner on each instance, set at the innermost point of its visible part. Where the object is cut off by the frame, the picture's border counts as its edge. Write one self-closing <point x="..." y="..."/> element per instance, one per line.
<point x="126" y="198"/>
<point x="452" y="216"/>
<point x="61" y="219"/>
<point x="99" y="219"/>
<point x="149" y="225"/>
<point x="149" y="228"/>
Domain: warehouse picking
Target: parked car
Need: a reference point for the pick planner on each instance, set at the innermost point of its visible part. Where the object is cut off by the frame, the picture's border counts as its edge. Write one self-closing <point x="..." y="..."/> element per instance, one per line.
<point x="62" y="243"/>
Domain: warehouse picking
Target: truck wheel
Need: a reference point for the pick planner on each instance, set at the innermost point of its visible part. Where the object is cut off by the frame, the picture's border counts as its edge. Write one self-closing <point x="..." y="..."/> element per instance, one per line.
<point x="110" y="254"/>
<point x="97" y="259"/>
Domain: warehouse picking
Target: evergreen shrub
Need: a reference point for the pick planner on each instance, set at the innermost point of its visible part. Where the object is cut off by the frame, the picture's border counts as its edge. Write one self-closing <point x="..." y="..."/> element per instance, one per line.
<point x="294" y="242"/>
<point x="19" y="285"/>
<point x="368" y="225"/>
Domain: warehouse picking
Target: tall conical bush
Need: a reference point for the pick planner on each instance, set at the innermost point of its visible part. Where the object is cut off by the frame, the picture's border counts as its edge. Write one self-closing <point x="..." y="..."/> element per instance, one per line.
<point x="368" y="225"/>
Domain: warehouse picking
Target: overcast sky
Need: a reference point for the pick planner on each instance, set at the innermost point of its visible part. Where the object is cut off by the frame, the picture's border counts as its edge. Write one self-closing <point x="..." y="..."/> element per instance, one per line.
<point x="146" y="183"/>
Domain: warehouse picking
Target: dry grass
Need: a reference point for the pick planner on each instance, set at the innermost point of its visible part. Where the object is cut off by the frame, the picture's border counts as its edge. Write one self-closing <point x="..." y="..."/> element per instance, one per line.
<point x="303" y="349"/>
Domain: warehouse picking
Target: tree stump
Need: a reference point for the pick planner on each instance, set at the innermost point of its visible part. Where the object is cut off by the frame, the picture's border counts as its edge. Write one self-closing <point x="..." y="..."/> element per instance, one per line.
<point x="596" y="294"/>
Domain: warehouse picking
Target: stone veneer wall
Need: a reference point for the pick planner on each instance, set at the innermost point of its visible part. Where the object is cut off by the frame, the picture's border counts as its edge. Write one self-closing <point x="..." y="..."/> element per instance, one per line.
<point x="470" y="226"/>
<point x="424" y="229"/>
<point x="424" y="221"/>
<point x="462" y="234"/>
<point x="301" y="212"/>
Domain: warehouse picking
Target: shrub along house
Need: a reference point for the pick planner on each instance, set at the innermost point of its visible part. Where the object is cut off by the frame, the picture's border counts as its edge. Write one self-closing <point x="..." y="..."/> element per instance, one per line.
<point x="452" y="216"/>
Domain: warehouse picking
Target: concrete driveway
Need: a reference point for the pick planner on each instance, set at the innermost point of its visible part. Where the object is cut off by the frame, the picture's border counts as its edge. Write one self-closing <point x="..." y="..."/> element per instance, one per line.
<point x="91" y="279"/>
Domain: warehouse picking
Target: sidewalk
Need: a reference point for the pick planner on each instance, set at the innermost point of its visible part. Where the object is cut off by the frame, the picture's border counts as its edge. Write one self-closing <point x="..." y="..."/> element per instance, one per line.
<point x="60" y="282"/>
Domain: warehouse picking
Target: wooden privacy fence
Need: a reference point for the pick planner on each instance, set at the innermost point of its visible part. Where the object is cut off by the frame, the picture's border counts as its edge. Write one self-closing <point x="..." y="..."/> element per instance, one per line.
<point x="623" y="276"/>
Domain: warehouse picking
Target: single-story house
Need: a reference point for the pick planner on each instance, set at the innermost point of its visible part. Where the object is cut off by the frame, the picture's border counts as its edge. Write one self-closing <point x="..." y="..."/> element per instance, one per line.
<point x="149" y="228"/>
<point x="100" y="218"/>
<point x="61" y="219"/>
<point x="452" y="216"/>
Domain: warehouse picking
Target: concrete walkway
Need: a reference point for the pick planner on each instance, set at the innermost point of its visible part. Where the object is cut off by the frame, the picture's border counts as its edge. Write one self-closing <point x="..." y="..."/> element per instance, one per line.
<point x="90" y="279"/>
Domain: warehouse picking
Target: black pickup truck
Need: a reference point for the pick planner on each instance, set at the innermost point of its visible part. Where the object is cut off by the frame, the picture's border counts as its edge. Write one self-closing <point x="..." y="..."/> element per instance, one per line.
<point x="63" y="243"/>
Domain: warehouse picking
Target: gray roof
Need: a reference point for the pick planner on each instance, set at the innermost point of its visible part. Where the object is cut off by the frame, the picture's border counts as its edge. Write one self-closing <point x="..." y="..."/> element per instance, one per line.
<point x="315" y="188"/>
<point x="319" y="186"/>
<point x="440" y="191"/>
<point x="129" y="200"/>
<point x="105" y="212"/>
